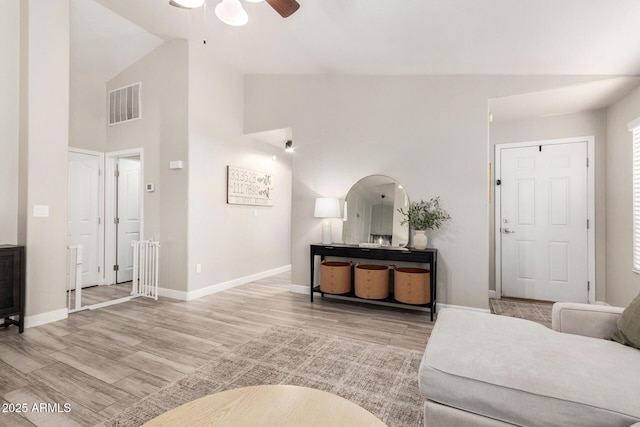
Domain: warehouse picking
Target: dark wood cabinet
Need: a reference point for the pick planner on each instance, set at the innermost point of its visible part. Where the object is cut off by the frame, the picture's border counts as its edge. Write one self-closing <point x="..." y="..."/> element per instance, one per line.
<point x="427" y="256"/>
<point x="12" y="284"/>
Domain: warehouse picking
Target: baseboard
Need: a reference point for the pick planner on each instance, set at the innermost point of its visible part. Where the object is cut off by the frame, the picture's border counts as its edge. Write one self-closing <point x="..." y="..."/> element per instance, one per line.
<point x="44" y="318"/>
<point x="440" y="306"/>
<point x="173" y="294"/>
<point x="300" y="289"/>
<point x="493" y="295"/>
<point x="199" y="293"/>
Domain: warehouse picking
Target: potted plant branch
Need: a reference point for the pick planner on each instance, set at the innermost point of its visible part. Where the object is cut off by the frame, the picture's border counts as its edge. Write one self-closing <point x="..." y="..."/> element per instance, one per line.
<point x="422" y="216"/>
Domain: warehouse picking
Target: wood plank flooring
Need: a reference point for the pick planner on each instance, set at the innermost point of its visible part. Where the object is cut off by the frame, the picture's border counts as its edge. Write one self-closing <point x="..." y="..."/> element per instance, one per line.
<point x="97" y="294"/>
<point x="102" y="361"/>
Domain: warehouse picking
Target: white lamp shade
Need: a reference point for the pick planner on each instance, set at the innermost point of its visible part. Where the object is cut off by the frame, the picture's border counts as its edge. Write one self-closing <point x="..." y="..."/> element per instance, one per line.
<point x="327" y="207"/>
<point x="188" y="4"/>
<point x="231" y="12"/>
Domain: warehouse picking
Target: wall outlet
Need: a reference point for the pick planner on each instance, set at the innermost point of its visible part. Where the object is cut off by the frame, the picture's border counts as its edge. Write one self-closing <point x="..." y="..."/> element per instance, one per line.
<point x="198" y="268"/>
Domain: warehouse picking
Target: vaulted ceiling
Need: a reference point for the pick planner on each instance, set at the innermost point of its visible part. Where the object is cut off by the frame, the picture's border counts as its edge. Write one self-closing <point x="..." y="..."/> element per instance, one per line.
<point x="378" y="37"/>
<point x="411" y="36"/>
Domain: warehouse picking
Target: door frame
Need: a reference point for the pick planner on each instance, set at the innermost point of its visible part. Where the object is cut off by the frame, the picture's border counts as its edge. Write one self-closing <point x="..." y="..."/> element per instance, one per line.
<point x="591" y="208"/>
<point x="101" y="222"/>
<point x="111" y="204"/>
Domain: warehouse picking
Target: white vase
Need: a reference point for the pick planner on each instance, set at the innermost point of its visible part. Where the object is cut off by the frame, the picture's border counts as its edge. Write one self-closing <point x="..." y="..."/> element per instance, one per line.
<point x="420" y="239"/>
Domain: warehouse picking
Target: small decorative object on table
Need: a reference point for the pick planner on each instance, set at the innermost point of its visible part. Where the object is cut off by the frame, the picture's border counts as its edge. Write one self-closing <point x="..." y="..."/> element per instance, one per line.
<point x="422" y="216"/>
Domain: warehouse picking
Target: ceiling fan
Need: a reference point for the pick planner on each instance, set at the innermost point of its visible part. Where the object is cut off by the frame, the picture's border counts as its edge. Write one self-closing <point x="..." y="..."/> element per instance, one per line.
<point x="231" y="11"/>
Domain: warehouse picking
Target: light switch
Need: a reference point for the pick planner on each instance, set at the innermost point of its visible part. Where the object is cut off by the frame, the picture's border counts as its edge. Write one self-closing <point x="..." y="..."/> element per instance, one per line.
<point x="175" y="164"/>
<point x="41" y="210"/>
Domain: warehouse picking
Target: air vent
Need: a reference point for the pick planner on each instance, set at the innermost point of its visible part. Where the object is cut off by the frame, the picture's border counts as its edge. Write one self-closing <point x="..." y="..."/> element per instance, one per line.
<point x="124" y="104"/>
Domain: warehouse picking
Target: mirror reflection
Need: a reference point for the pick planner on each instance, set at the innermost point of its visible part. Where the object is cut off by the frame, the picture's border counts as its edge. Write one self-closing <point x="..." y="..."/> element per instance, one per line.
<point x="371" y="212"/>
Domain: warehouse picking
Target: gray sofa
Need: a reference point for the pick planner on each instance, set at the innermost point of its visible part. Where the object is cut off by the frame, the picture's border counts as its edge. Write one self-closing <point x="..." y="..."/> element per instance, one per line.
<point x="480" y="369"/>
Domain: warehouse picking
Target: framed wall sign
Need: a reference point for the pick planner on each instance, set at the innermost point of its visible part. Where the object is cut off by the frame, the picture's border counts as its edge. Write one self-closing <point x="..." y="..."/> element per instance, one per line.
<point x="246" y="187"/>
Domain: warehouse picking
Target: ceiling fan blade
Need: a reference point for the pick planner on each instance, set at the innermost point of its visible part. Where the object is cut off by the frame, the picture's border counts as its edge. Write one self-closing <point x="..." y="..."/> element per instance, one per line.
<point x="284" y="7"/>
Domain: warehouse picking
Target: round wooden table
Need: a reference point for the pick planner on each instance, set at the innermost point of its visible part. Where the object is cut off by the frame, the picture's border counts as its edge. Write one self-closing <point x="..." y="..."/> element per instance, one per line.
<point x="268" y="405"/>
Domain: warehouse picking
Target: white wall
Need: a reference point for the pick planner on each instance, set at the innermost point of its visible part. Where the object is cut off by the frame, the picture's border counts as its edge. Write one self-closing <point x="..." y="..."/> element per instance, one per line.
<point x="230" y="241"/>
<point x="162" y="133"/>
<point x="622" y="284"/>
<point x="44" y="137"/>
<point x="587" y="123"/>
<point x="192" y="110"/>
<point x="428" y="132"/>
<point x="87" y="112"/>
<point x="9" y="101"/>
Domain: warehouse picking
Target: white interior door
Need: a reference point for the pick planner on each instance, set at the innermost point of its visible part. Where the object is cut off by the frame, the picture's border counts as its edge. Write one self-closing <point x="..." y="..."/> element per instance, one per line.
<point x="84" y="211"/>
<point x="128" y="215"/>
<point x="543" y="223"/>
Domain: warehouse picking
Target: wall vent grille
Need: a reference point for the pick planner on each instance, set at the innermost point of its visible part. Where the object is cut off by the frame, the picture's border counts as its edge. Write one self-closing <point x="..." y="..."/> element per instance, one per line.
<point x="124" y="104"/>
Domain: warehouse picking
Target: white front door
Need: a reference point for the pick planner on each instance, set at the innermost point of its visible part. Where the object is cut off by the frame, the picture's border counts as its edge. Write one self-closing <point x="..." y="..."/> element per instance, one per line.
<point x="128" y="215"/>
<point x="83" y="215"/>
<point x="543" y="222"/>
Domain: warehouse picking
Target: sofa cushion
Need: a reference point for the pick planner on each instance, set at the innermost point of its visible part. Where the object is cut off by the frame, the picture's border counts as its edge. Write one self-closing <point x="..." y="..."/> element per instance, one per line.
<point x="629" y="325"/>
<point x="523" y="373"/>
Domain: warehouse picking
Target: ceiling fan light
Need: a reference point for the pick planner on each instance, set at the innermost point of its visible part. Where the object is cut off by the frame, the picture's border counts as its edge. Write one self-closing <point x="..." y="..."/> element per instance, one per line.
<point x="187" y="4"/>
<point x="231" y="12"/>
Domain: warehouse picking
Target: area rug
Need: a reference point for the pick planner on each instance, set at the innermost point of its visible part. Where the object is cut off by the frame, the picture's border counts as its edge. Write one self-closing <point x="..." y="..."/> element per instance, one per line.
<point x="539" y="312"/>
<point x="381" y="379"/>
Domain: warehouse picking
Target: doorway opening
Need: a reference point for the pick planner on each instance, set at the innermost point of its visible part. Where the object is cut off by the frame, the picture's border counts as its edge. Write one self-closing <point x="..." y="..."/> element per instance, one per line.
<point x="105" y="216"/>
<point x="124" y="214"/>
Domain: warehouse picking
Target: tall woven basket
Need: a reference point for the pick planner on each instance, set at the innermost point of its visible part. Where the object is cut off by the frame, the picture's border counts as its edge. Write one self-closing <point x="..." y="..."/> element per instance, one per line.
<point x="372" y="281"/>
<point x="412" y="285"/>
<point x="335" y="277"/>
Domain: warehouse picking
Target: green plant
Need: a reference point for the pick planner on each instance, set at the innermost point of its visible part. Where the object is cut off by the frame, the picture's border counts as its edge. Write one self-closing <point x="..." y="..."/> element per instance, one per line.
<point x="425" y="215"/>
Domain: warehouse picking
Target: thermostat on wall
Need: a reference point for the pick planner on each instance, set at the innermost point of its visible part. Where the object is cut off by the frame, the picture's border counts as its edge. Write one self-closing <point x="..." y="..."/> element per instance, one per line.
<point x="150" y="188"/>
<point x="175" y="164"/>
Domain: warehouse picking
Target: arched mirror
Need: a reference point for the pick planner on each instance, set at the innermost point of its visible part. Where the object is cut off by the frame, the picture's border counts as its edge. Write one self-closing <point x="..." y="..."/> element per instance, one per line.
<point x="371" y="212"/>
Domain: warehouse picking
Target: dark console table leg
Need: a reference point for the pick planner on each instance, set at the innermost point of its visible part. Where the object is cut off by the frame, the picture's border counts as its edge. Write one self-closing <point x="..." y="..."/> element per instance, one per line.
<point x="313" y="262"/>
<point x="434" y="286"/>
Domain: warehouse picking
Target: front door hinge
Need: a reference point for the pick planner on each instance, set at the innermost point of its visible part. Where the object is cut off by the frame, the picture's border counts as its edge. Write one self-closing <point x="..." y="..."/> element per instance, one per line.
<point x="99" y="220"/>
<point x="116" y="174"/>
<point x="587" y="224"/>
<point x="98" y="269"/>
<point x="116" y="267"/>
<point x="588" y="286"/>
<point x="116" y="220"/>
<point x="498" y="182"/>
<point x="587" y="162"/>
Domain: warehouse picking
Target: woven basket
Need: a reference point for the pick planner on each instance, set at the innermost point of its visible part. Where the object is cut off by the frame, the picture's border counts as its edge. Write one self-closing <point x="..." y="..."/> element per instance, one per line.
<point x="411" y="285"/>
<point x="372" y="281"/>
<point x="335" y="277"/>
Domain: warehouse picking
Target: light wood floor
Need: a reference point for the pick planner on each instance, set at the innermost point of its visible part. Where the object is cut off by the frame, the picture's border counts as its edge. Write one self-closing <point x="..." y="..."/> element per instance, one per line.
<point x="102" y="361"/>
<point x="97" y="294"/>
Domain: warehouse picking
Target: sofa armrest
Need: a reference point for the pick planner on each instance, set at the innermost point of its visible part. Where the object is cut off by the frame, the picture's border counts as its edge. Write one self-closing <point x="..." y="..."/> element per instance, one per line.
<point x="597" y="321"/>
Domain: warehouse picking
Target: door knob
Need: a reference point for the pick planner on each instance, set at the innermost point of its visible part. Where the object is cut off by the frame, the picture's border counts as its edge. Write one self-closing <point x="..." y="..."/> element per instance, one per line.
<point x="508" y="231"/>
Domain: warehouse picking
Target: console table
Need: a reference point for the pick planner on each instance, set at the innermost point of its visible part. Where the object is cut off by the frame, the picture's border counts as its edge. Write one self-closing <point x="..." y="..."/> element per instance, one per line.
<point x="426" y="256"/>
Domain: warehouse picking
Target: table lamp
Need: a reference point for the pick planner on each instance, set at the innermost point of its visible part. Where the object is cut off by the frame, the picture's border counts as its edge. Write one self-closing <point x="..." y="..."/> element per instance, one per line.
<point x="326" y="207"/>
